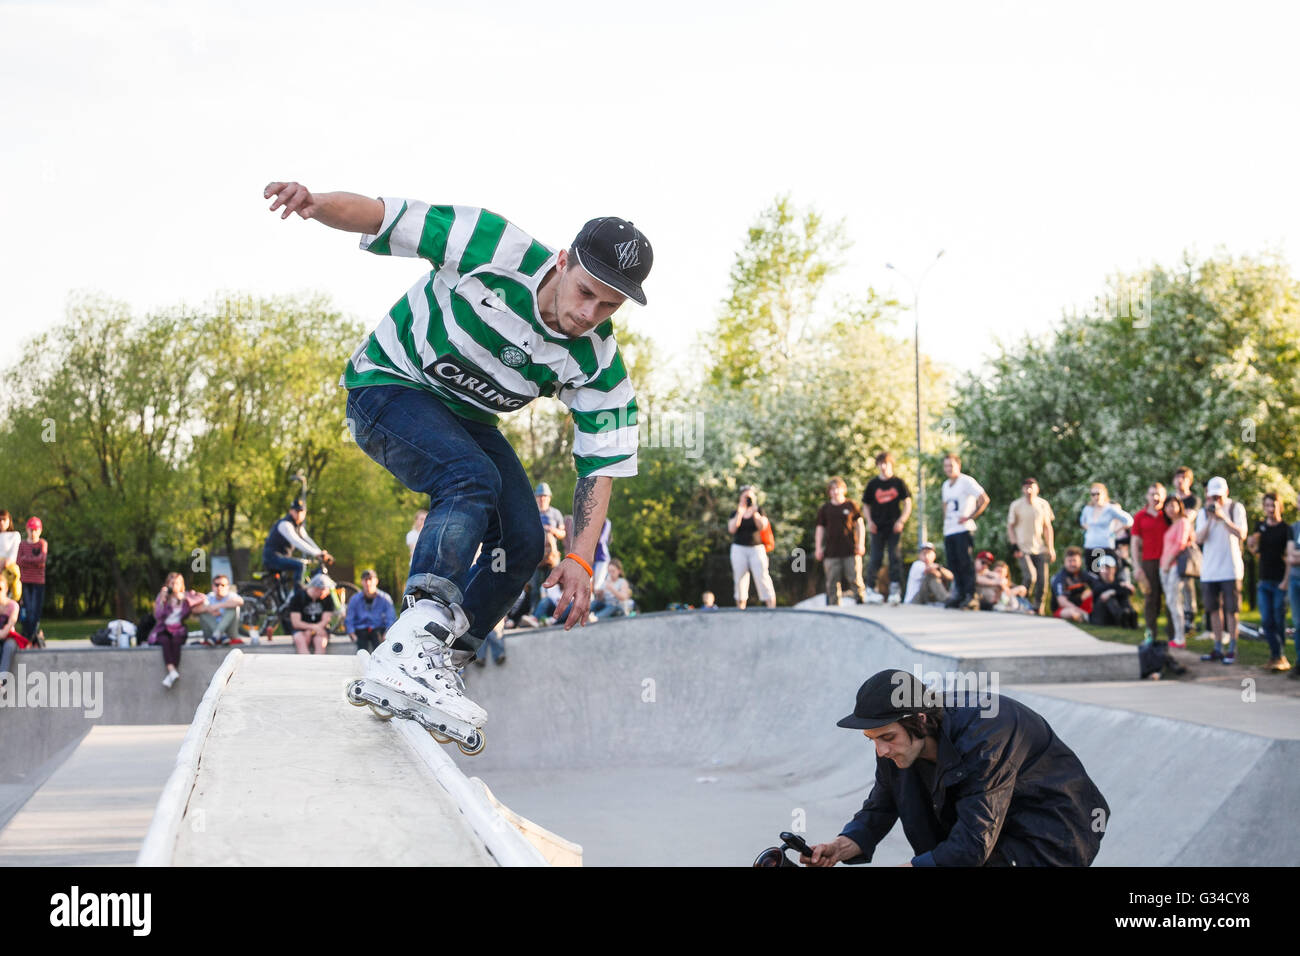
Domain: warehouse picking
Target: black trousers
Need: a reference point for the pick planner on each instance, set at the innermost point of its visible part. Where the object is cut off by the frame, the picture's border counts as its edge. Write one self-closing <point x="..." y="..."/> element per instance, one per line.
<point x="368" y="638"/>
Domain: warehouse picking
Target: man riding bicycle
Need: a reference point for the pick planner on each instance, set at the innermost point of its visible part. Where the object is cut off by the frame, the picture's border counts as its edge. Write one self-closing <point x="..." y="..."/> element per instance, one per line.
<point x="287" y="534"/>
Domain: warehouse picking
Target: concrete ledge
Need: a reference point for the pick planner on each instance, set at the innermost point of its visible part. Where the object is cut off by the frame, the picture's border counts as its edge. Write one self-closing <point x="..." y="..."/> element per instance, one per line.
<point x="1022" y="648"/>
<point x="160" y="840"/>
<point x="130" y="681"/>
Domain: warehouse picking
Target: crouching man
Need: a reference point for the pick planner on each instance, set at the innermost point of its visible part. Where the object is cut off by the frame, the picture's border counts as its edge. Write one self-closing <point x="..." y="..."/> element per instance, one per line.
<point x="987" y="785"/>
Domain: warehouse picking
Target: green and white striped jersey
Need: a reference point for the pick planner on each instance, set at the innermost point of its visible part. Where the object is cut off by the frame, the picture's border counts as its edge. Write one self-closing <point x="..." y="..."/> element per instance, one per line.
<point x="471" y="333"/>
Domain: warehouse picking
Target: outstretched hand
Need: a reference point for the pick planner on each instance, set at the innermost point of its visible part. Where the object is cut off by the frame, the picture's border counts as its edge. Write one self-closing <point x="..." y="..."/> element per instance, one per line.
<point x="575" y="587"/>
<point x="294" y="197"/>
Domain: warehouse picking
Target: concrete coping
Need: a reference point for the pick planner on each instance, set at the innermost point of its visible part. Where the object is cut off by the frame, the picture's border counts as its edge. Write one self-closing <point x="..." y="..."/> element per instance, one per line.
<point x="160" y="840"/>
<point x="507" y="844"/>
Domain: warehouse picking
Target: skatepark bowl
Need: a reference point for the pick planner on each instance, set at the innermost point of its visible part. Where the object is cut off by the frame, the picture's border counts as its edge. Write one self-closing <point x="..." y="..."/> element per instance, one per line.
<point x="675" y="738"/>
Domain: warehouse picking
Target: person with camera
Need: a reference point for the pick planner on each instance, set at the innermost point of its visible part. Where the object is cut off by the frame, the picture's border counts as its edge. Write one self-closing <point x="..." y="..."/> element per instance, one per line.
<point x="976" y="781"/>
<point x="748" y="553"/>
<point x="171" y="607"/>
<point x="1220" y="530"/>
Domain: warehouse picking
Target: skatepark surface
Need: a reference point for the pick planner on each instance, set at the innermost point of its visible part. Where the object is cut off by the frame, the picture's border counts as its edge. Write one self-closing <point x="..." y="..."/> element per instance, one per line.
<point x="678" y="738"/>
<point x="694" y="738"/>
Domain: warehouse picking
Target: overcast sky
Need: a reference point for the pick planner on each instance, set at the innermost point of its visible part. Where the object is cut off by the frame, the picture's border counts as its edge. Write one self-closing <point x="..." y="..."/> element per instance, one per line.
<point x="1043" y="146"/>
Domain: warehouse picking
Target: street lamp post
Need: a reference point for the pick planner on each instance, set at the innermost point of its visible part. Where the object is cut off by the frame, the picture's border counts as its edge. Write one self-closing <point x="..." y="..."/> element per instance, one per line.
<point x="916" y="356"/>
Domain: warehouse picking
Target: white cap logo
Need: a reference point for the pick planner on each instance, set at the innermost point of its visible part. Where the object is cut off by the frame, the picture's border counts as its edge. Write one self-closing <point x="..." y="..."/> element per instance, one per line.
<point x="627" y="254"/>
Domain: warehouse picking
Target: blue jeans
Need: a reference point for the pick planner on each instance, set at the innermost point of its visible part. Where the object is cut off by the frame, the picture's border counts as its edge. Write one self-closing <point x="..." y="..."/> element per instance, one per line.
<point x="278" y="562"/>
<point x="881" y="542"/>
<point x="1293" y="592"/>
<point x="30" y="610"/>
<point x="478" y="494"/>
<point x="1272" y="615"/>
<point x="494" y="642"/>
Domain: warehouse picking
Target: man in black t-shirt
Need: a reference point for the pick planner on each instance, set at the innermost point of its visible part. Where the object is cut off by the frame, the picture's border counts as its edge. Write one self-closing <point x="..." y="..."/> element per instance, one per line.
<point x="839" y="543"/>
<point x="889" y="505"/>
<point x="310" y="611"/>
<point x="1268" y="543"/>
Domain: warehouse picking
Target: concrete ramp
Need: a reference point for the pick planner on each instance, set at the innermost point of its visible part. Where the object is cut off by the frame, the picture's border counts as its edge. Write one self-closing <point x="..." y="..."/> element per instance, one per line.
<point x="278" y="769"/>
<point x="694" y="738"/>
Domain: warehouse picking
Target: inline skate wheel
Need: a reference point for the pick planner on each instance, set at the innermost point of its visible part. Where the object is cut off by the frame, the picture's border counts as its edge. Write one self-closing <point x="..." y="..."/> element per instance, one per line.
<point x="439" y="737"/>
<point x="350" y="690"/>
<point x="475" y="745"/>
<point x="381" y="713"/>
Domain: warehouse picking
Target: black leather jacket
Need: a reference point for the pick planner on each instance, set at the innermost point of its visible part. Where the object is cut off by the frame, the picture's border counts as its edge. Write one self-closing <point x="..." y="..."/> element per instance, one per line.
<point x="1007" y="791"/>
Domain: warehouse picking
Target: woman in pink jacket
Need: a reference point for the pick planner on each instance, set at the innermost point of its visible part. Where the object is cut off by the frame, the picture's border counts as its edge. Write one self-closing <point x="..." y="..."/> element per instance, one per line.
<point x="1178" y="536"/>
<point x="170" y="609"/>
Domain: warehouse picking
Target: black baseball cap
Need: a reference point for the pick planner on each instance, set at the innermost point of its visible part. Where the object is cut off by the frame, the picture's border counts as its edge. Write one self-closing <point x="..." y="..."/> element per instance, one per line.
<point x="297" y="505"/>
<point x="885" y="698"/>
<point x="616" y="253"/>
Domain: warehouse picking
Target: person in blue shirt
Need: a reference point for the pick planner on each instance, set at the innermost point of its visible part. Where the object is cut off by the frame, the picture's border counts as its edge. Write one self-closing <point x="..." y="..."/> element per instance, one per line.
<point x="370" y="613"/>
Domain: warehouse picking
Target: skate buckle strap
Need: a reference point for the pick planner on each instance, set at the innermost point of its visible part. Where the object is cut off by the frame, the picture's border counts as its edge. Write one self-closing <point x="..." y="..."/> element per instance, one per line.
<point x="443" y="635"/>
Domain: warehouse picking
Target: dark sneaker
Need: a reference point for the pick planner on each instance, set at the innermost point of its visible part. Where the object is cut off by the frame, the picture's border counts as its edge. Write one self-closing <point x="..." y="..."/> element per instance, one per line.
<point x="501" y="659"/>
<point x="479" y="662"/>
<point x="1212" y="656"/>
<point x="1230" y="659"/>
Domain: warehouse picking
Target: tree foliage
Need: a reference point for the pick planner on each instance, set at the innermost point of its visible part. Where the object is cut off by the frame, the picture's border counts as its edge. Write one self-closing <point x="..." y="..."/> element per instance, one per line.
<point x="1196" y="366"/>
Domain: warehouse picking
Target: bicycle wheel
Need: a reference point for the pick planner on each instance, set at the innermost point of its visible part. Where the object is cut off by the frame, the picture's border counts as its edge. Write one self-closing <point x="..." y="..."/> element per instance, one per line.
<point x="254" y="611"/>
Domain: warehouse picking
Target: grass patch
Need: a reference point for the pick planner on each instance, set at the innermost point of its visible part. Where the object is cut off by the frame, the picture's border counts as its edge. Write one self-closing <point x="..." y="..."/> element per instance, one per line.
<point x="1249" y="652"/>
<point x="71" y="629"/>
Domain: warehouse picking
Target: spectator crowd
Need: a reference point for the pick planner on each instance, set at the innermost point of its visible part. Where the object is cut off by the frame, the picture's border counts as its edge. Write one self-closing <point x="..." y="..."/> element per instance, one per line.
<point x="1175" y="550"/>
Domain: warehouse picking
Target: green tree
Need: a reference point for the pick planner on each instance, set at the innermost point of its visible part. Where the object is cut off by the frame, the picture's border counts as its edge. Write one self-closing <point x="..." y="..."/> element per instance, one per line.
<point x="1197" y="365"/>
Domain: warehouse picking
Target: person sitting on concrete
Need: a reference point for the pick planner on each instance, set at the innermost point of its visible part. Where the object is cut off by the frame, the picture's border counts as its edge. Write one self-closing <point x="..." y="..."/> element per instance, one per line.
<point x="975" y="781"/>
<point x="1012" y="598"/>
<point x="1112" y="601"/>
<point x="928" y="582"/>
<point x="170" y="609"/>
<point x="10" y="640"/>
<point x="615" y="599"/>
<point x="1071" y="588"/>
<point x="988" y="583"/>
<point x="310" y="611"/>
<point x="219" y="617"/>
<point x="370" y="613"/>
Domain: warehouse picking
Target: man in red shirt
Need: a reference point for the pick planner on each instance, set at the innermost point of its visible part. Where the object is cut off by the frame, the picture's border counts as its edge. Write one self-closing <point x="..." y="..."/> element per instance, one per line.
<point x="1148" y="533"/>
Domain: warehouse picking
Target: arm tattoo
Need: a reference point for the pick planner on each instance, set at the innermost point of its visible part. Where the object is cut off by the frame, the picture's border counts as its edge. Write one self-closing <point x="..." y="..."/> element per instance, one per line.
<point x="584" y="503"/>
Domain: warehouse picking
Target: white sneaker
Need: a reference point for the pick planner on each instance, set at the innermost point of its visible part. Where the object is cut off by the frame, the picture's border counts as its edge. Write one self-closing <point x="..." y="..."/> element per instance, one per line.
<point x="410" y="660"/>
<point x="894" y="596"/>
<point x="171" y="679"/>
<point x="873" y="597"/>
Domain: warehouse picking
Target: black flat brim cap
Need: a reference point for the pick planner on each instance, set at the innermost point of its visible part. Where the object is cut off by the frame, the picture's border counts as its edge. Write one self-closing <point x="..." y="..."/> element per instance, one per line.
<point x="611" y="277"/>
<point x="617" y="253"/>
<point x="884" y="698"/>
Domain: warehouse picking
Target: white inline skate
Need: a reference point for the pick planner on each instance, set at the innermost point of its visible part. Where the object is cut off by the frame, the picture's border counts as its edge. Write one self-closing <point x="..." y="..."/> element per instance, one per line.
<point x="414" y="674"/>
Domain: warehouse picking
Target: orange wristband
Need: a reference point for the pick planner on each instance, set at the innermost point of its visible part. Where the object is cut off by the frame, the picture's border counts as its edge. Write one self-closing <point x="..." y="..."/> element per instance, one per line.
<point x="585" y="566"/>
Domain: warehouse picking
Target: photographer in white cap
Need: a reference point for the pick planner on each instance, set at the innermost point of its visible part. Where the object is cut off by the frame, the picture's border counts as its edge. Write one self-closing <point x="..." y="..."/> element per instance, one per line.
<point x="1220" y="530"/>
